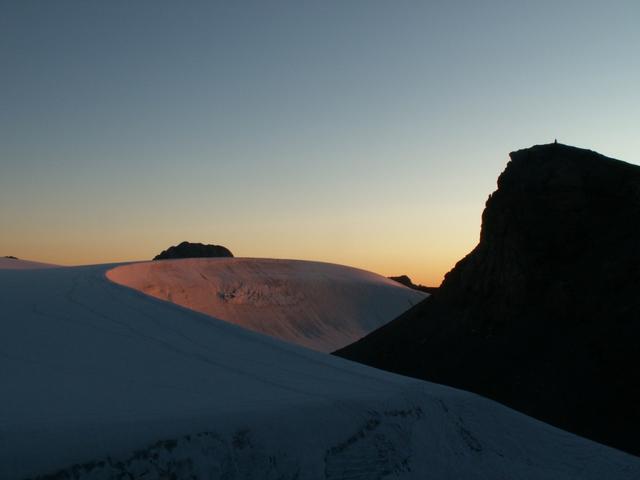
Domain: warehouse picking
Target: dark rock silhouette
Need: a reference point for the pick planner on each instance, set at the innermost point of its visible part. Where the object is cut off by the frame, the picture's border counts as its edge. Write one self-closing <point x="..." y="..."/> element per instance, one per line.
<point x="193" y="250"/>
<point x="544" y="314"/>
<point x="406" y="281"/>
<point x="11" y="257"/>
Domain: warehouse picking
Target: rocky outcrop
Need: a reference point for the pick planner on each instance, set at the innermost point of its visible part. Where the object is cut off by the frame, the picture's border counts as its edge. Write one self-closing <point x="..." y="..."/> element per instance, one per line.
<point x="193" y="250"/>
<point x="406" y="281"/>
<point x="544" y="314"/>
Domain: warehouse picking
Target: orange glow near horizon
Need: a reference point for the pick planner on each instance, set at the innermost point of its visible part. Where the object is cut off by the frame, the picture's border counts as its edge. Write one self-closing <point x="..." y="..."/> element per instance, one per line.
<point x="407" y="233"/>
<point x="424" y="260"/>
<point x="430" y="273"/>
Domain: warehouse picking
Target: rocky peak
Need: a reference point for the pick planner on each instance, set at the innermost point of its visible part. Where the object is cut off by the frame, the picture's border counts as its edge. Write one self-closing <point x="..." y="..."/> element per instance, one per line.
<point x="556" y="208"/>
<point x="193" y="250"/>
<point x="544" y="313"/>
<point x="407" y="282"/>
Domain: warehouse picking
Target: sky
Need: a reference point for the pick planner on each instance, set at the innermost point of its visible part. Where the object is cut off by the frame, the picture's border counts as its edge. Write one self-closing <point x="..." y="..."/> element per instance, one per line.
<point x="367" y="133"/>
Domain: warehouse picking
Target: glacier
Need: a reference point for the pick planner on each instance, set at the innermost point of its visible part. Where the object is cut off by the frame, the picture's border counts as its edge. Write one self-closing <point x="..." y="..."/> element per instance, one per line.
<point x="101" y="381"/>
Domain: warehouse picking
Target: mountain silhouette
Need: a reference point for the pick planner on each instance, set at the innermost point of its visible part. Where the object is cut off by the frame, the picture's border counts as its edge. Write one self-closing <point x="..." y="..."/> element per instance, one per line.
<point x="193" y="250"/>
<point x="544" y="314"/>
<point x="407" y="282"/>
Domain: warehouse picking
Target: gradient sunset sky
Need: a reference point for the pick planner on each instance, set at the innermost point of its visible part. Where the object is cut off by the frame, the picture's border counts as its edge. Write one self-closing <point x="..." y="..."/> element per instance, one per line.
<point x="367" y="133"/>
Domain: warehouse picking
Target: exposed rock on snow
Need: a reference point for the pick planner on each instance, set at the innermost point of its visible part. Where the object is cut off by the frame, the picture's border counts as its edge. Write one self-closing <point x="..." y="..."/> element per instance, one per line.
<point x="193" y="250"/>
<point x="318" y="305"/>
<point x="103" y="382"/>
<point x="544" y="314"/>
<point x="406" y="281"/>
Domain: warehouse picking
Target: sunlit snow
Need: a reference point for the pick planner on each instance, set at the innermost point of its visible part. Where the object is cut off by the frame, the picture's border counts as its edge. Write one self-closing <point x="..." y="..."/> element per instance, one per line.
<point x="318" y="305"/>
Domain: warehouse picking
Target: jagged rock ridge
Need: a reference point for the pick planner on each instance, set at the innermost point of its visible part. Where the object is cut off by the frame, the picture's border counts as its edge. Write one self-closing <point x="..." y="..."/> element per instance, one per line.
<point x="193" y="250"/>
<point x="544" y="314"/>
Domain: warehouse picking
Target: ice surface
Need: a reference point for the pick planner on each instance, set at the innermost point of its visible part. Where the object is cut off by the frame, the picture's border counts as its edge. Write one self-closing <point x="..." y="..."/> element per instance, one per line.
<point x="317" y="305"/>
<point x="101" y="381"/>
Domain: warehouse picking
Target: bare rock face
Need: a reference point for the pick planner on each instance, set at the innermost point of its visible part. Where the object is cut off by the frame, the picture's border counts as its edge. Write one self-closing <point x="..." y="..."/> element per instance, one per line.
<point x="544" y="314"/>
<point x="193" y="250"/>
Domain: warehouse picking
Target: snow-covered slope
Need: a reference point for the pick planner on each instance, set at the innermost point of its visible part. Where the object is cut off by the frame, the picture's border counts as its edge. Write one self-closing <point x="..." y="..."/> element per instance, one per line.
<point x="9" y="263"/>
<point x="101" y="381"/>
<point x="318" y="305"/>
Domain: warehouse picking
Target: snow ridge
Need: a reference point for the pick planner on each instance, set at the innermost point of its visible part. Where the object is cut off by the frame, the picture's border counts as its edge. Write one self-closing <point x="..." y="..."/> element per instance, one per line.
<point x="318" y="305"/>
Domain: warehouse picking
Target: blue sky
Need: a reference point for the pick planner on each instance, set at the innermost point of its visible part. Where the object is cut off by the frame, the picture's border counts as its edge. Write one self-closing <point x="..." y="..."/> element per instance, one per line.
<point x="360" y="132"/>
